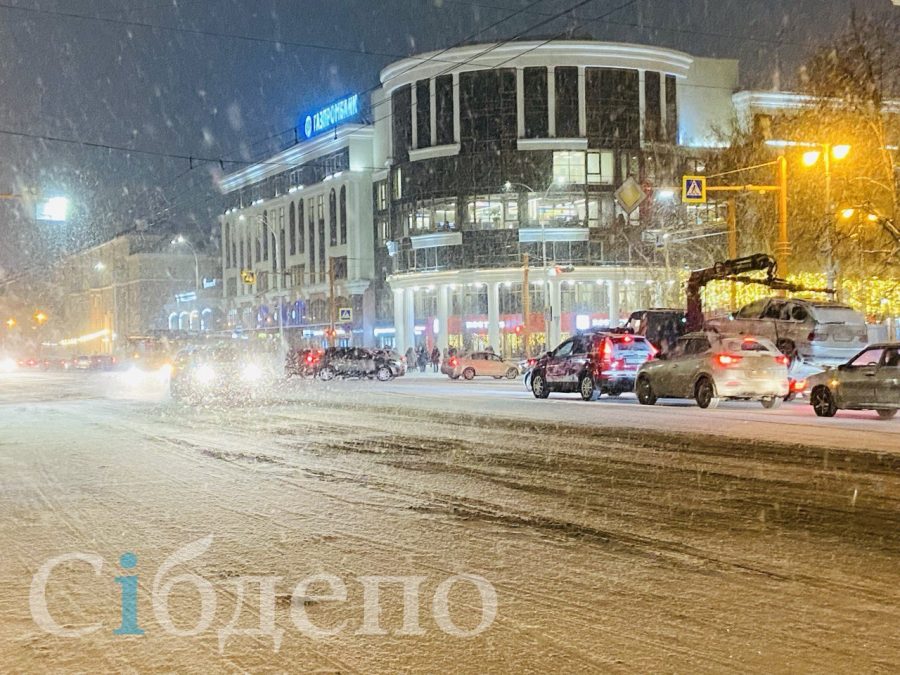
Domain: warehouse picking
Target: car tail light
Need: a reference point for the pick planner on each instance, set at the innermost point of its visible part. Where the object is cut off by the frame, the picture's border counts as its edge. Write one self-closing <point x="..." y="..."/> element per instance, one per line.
<point x="798" y="385"/>
<point x="783" y="360"/>
<point x="310" y="358"/>
<point x="728" y="359"/>
<point x="454" y="362"/>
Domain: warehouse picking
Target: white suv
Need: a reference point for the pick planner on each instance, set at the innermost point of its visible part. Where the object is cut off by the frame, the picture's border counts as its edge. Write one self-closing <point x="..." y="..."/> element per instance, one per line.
<point x="818" y="333"/>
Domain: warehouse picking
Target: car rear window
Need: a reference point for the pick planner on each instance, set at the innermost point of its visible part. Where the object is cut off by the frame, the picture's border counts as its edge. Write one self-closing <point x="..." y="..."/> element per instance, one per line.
<point x="632" y="346"/>
<point x="837" y="314"/>
<point x="736" y="345"/>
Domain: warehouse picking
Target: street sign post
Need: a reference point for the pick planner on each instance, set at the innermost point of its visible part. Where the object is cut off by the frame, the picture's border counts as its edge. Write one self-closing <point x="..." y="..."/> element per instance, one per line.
<point x="345" y="314"/>
<point x="693" y="189"/>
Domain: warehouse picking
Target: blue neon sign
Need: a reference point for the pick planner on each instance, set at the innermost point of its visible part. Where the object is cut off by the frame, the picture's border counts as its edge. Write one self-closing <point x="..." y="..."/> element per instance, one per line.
<point x="331" y="115"/>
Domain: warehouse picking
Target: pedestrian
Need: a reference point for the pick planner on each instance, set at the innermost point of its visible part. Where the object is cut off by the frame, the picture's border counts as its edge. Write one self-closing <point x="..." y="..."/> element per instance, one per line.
<point x="435" y="359"/>
<point x="422" y="359"/>
<point x="410" y="358"/>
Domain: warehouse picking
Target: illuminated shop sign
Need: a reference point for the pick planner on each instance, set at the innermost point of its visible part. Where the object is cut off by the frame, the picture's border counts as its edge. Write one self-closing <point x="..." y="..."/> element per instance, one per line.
<point x="331" y="115"/>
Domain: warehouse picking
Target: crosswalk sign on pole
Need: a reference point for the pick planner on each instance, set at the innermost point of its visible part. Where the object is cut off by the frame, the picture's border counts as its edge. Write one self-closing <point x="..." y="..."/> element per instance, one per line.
<point x="693" y="189"/>
<point x="345" y="314"/>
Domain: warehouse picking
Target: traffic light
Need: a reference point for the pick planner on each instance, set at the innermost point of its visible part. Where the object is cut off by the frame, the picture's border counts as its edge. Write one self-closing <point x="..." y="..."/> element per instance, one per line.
<point x="518" y="329"/>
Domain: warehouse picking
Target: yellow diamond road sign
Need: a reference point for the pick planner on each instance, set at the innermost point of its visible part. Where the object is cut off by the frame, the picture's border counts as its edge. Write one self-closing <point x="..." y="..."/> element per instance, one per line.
<point x="693" y="189"/>
<point x="630" y="195"/>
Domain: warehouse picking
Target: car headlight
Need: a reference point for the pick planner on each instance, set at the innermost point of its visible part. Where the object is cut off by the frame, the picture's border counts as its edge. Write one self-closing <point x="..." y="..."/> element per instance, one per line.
<point x="7" y="365"/>
<point x="204" y="374"/>
<point x="251" y="373"/>
<point x="165" y="370"/>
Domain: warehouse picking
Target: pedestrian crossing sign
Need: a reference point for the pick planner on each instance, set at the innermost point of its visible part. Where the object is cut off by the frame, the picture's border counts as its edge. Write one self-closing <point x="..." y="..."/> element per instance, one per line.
<point x="693" y="189"/>
<point x="345" y="314"/>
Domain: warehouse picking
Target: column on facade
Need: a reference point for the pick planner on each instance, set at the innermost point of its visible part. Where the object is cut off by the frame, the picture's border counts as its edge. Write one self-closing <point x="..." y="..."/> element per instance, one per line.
<point x="520" y="102"/>
<point x="551" y="102"/>
<point x="456" y="120"/>
<point x="613" y="289"/>
<point x="399" y="323"/>
<point x="555" y="326"/>
<point x="443" y="317"/>
<point x="582" y="103"/>
<point x="409" y="318"/>
<point x="642" y="103"/>
<point x="494" y="315"/>
<point x="432" y="108"/>
<point x="414" y="102"/>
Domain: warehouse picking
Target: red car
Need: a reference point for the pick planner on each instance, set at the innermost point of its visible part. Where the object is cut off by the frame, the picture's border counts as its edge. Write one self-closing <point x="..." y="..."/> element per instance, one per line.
<point x="592" y="364"/>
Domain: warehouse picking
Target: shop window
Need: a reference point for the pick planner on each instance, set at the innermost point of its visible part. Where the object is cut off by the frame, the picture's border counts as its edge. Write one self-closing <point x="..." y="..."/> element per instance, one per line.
<point x="535" y="84"/>
<point x="601" y="168"/>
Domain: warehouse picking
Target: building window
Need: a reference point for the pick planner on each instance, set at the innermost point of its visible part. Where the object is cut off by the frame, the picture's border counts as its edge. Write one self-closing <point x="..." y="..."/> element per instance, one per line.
<point x="567" y="102"/>
<point x="340" y="267"/>
<point x="535" y="83"/>
<point x="311" y="221"/>
<point x="568" y="167"/>
<point x="398" y="183"/>
<point x="292" y="228"/>
<point x="301" y="229"/>
<point x="298" y="275"/>
<point x="227" y="245"/>
<point x="487" y="110"/>
<point x="423" y="113"/>
<point x="558" y="210"/>
<point x="241" y="251"/>
<point x="601" y="168"/>
<point x="320" y="208"/>
<point x="282" y="235"/>
<point x="382" y="229"/>
<point x="443" y="104"/>
<point x="492" y="212"/>
<point x="613" y="108"/>
<point x="671" y="109"/>
<point x="401" y="115"/>
<point x="332" y="218"/>
<point x="343" y="214"/>
<point x="652" y="107"/>
<point x="381" y="200"/>
<point x="265" y="234"/>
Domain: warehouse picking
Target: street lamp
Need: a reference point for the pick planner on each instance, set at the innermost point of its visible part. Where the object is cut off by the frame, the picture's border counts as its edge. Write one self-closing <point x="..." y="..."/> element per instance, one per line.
<point x="827" y="152"/>
<point x="181" y="239"/>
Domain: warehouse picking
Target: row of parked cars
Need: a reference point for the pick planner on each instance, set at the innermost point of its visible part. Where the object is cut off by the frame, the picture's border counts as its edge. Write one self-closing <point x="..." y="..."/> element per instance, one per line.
<point x="768" y="351"/>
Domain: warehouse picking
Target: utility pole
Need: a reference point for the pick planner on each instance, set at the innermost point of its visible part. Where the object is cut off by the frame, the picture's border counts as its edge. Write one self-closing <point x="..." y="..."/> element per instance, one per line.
<point x="331" y="307"/>
<point x="526" y="304"/>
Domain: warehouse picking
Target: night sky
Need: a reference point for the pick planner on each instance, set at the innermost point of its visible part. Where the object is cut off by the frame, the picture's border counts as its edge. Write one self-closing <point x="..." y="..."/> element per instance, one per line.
<point x="218" y="83"/>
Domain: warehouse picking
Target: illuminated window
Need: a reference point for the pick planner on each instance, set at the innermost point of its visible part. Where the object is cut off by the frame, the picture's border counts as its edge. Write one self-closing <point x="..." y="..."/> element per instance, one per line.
<point x="568" y="167"/>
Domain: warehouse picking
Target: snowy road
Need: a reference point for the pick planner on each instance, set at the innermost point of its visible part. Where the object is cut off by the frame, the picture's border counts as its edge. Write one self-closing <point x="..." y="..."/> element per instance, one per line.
<point x="616" y="537"/>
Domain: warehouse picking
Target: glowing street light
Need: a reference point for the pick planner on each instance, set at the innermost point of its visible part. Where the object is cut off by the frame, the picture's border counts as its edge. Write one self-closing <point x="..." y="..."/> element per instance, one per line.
<point x="53" y="209"/>
<point x="40" y="317"/>
<point x="10" y="323"/>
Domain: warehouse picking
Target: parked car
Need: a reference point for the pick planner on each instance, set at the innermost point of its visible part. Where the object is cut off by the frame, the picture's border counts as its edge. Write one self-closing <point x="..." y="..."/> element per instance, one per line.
<point x="356" y="362"/>
<point x="819" y="333"/>
<point x="709" y="367"/>
<point x="103" y="362"/>
<point x="480" y="364"/>
<point x="56" y="364"/>
<point x="591" y="364"/>
<point x="226" y="372"/>
<point x="868" y="381"/>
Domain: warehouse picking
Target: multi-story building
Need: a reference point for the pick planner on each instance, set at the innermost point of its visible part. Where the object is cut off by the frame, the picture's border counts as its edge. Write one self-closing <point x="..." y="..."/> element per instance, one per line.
<point x="297" y="235"/>
<point x="473" y="160"/>
<point x="496" y="152"/>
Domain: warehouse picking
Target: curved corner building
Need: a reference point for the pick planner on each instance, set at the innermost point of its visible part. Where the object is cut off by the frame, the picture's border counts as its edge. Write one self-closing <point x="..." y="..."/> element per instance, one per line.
<point x="499" y="154"/>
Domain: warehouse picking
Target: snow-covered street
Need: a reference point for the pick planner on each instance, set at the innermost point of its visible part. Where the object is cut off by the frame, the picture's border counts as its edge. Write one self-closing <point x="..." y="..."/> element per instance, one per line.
<point x="615" y="536"/>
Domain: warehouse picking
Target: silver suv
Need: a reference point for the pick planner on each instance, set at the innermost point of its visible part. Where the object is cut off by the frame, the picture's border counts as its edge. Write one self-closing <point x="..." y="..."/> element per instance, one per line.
<point x="818" y="333"/>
